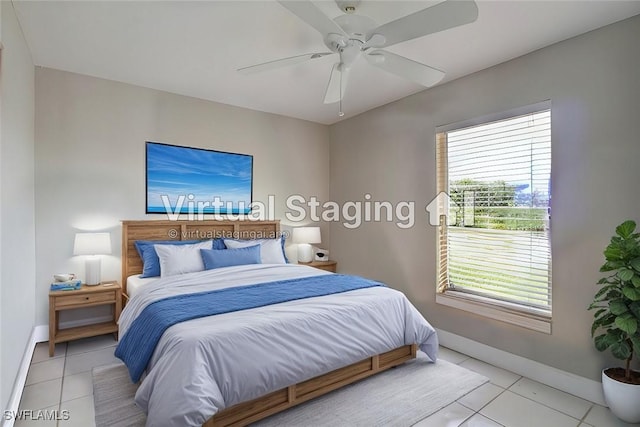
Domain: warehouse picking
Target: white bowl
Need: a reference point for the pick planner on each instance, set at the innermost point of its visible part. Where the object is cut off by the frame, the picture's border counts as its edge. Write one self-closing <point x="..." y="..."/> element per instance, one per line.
<point x="63" y="277"/>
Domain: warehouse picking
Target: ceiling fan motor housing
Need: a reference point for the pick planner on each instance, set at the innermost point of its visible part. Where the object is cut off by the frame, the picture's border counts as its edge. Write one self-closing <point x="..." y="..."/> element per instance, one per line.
<point x="356" y="26"/>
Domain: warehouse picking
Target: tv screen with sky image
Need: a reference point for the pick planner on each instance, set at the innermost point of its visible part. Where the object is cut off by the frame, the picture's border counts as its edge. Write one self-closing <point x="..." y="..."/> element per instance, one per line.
<point x="193" y="180"/>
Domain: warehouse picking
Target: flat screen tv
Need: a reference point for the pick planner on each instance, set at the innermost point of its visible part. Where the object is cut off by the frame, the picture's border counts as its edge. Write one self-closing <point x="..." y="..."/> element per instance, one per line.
<point x="195" y="180"/>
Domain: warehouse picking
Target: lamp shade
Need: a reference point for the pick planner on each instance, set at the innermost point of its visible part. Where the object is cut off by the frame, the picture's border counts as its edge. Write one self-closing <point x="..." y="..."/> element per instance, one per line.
<point x="92" y="244"/>
<point x="306" y="235"/>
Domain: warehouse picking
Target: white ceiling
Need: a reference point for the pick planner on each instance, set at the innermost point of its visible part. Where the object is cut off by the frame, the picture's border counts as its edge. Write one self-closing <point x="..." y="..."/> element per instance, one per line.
<point x="193" y="48"/>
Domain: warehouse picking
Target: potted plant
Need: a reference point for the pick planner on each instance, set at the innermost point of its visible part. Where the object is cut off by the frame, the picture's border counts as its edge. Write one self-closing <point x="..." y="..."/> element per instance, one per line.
<point x="617" y="320"/>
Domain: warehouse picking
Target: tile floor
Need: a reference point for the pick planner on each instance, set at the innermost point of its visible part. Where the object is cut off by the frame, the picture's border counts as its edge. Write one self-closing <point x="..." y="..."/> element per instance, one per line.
<point x="509" y="400"/>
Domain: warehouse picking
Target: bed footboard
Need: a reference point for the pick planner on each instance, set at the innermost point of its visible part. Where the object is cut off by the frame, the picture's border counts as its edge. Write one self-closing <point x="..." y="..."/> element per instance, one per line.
<point x="272" y="403"/>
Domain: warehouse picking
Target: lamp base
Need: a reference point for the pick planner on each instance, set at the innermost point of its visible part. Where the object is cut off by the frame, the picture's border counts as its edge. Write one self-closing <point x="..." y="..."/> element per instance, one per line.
<point x="92" y="271"/>
<point x="305" y="252"/>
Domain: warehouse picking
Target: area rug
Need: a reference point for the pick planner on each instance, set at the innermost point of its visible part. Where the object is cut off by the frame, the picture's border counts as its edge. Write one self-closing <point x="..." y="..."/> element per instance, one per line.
<point x="399" y="397"/>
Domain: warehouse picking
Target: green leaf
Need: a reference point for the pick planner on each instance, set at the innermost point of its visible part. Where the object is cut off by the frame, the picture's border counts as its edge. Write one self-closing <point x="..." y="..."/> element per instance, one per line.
<point x="621" y="350"/>
<point x="618" y="307"/>
<point x="599" y="312"/>
<point x="595" y="304"/>
<point x="602" y="291"/>
<point x="603" y="342"/>
<point x="612" y="265"/>
<point x="594" y="328"/>
<point x="613" y="294"/>
<point x="617" y="334"/>
<point x="627" y="323"/>
<point x="635" y="264"/>
<point x="612" y="253"/>
<point x="602" y="322"/>
<point x="631" y="292"/>
<point x="634" y="307"/>
<point x="625" y="274"/>
<point x="617" y="264"/>
<point x="625" y="229"/>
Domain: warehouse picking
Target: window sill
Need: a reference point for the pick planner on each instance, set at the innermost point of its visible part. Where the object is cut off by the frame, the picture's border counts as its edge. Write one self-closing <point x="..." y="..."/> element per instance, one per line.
<point x="536" y="320"/>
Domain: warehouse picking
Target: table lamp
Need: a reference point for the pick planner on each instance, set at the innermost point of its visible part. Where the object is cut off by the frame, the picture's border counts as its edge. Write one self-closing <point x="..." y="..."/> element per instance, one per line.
<point x="304" y="237"/>
<point x="93" y="245"/>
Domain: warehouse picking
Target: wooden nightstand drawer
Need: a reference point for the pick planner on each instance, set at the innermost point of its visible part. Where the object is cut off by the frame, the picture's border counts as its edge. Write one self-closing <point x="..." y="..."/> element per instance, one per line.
<point x="86" y="300"/>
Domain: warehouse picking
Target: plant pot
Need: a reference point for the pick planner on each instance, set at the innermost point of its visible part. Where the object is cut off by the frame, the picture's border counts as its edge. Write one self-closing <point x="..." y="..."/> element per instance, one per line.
<point x="622" y="398"/>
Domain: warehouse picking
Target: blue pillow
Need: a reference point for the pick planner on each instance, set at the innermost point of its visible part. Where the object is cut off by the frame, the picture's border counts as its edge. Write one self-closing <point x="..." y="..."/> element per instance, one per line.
<point x="218" y="258"/>
<point x="149" y="257"/>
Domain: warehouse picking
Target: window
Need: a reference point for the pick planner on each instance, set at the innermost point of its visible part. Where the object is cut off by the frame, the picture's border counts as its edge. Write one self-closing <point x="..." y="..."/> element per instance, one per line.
<point x="494" y="244"/>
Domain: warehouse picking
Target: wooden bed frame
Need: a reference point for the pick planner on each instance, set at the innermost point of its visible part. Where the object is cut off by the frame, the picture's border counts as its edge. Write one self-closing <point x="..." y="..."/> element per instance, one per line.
<point x="272" y="403"/>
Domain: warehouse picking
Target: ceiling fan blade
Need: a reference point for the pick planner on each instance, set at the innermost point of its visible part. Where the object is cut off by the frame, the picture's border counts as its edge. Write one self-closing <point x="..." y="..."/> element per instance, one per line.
<point x="442" y="16"/>
<point x="405" y="67"/>
<point x="337" y="84"/>
<point x="281" y="62"/>
<point x="313" y="16"/>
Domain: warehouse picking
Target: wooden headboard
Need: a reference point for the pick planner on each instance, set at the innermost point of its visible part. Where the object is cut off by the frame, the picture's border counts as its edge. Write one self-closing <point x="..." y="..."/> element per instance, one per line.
<point x="186" y="230"/>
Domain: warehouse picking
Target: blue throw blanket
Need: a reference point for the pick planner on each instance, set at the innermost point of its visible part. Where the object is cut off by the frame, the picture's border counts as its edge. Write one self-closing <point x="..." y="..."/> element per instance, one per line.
<point x="138" y="344"/>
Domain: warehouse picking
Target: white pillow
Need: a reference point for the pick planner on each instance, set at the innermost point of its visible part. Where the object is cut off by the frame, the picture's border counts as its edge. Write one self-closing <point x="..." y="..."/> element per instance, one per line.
<point x="270" y="249"/>
<point x="181" y="259"/>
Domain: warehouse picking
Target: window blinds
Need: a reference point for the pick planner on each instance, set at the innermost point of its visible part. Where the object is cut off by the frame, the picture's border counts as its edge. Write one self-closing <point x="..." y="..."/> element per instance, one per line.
<point x="495" y="241"/>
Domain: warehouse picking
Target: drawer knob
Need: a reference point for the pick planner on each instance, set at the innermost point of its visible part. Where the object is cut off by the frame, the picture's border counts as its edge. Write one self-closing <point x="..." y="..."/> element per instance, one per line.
<point x="87" y="298"/>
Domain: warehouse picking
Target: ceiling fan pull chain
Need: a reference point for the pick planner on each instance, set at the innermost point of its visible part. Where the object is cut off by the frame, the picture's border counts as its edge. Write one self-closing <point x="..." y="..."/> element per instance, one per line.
<point x="340" y="112"/>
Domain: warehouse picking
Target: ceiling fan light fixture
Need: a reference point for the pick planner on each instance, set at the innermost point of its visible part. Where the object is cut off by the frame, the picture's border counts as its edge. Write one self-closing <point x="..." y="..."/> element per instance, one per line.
<point x="350" y="53"/>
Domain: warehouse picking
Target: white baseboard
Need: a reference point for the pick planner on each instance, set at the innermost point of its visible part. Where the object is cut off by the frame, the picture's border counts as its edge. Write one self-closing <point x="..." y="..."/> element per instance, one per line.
<point x="553" y="377"/>
<point x="21" y="378"/>
<point x="41" y="333"/>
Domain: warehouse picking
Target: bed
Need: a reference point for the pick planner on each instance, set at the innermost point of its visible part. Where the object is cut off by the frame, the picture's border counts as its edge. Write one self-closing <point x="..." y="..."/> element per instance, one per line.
<point x="238" y="367"/>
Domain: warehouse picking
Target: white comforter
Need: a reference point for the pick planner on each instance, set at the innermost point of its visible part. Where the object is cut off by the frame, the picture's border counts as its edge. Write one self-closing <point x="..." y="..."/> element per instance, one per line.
<point x="205" y="365"/>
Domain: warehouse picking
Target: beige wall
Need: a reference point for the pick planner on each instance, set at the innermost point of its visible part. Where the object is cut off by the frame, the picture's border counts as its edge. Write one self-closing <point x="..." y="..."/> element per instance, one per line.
<point x="592" y="82"/>
<point x="17" y="228"/>
<point x="90" y="162"/>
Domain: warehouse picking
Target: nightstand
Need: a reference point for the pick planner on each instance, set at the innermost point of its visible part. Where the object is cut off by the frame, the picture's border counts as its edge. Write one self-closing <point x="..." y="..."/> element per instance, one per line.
<point x="322" y="265"/>
<point x="106" y="293"/>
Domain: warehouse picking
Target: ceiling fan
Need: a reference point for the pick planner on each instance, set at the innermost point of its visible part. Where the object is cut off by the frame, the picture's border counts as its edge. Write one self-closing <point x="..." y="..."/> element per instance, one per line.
<point x="352" y="36"/>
